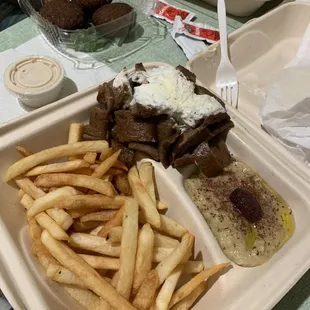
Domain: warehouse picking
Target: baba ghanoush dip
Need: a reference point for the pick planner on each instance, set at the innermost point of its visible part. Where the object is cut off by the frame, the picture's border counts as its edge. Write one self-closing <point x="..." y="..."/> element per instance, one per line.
<point x="250" y="221"/>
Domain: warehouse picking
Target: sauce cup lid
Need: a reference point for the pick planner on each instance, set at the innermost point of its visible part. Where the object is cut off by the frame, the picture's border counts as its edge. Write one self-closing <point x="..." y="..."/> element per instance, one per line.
<point x="33" y="75"/>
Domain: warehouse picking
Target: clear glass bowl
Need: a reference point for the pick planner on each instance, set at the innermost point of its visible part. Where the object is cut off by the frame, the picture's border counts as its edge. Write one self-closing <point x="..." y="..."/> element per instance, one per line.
<point x="106" y="43"/>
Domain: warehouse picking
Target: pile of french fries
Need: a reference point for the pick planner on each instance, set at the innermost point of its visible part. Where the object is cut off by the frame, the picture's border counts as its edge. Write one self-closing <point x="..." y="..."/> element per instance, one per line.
<point x="99" y="230"/>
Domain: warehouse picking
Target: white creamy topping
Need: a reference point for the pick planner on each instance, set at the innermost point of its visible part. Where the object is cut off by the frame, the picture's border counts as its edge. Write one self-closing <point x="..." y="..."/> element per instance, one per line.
<point x="171" y="93"/>
<point x="139" y="77"/>
<point x="121" y="79"/>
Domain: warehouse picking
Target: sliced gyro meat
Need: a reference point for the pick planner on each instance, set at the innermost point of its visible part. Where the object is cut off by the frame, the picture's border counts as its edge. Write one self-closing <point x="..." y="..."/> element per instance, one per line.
<point x="127" y="156"/>
<point x="142" y="111"/>
<point x="106" y="96"/>
<point x="190" y="76"/>
<point x="219" y="148"/>
<point x="149" y="150"/>
<point x="185" y="160"/>
<point x="200" y="90"/>
<point x="132" y="129"/>
<point x="88" y="130"/>
<point x="165" y="147"/>
<point x="99" y="119"/>
<point x="207" y="161"/>
<point x="193" y="137"/>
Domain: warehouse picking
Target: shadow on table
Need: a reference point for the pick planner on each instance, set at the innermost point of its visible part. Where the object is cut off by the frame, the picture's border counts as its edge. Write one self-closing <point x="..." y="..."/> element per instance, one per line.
<point x="296" y="296"/>
<point x="69" y="88"/>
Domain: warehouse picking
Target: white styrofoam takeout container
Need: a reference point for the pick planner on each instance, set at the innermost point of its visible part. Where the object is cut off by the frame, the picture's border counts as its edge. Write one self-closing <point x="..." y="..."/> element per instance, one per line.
<point x="22" y="278"/>
<point x="259" y="50"/>
<point x="240" y="7"/>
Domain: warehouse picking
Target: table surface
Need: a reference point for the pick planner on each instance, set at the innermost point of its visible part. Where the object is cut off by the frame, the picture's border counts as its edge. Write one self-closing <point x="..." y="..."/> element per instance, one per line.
<point x="167" y="51"/>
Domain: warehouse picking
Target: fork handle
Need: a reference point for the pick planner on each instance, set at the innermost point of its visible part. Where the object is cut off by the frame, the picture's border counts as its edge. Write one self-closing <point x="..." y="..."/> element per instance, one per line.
<point x="221" y="12"/>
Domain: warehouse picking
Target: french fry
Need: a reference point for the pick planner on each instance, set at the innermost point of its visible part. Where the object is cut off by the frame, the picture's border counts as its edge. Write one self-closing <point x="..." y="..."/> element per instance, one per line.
<point x="164" y="296"/>
<point x="114" y="172"/>
<point x="34" y="230"/>
<point x="58" y="167"/>
<point x="28" y="187"/>
<point x="75" y="132"/>
<point x="85" y="171"/>
<point x="76" y="213"/>
<point x="161" y="253"/>
<point x="187" y="288"/>
<point x="82" y="227"/>
<point x="103" y="216"/>
<point x="122" y="184"/>
<point x="51" y="226"/>
<point x="144" y="256"/>
<point x="128" y="248"/>
<point x="21" y="193"/>
<point x="109" y="280"/>
<point x="90" y="157"/>
<point x="91" y="201"/>
<point x="157" y="276"/>
<point x="44" y="256"/>
<point x="189" y="300"/>
<point x="50" y="200"/>
<point x="161" y="206"/>
<point x="99" y="262"/>
<point x="96" y="230"/>
<point x="107" y="178"/>
<point x="80" y="180"/>
<point x="165" y="242"/>
<point x="115" y="279"/>
<point x="44" y="220"/>
<point x="147" y="205"/>
<point x="27" y="201"/>
<point x="193" y="267"/>
<point x="160" y="240"/>
<point x="94" y="166"/>
<point x="167" y="226"/>
<point x="120" y="165"/>
<point x="147" y="291"/>
<point x="166" y="266"/>
<point x="23" y="151"/>
<point x="106" y="165"/>
<point x="115" y="234"/>
<point x="63" y="275"/>
<point x="105" y="154"/>
<point x="91" y="278"/>
<point x="86" y="298"/>
<point x="94" y="244"/>
<point x="75" y="135"/>
<point x="170" y="227"/>
<point x="26" y="163"/>
<point x="116" y="221"/>
<point x="61" y="217"/>
<point x="146" y="173"/>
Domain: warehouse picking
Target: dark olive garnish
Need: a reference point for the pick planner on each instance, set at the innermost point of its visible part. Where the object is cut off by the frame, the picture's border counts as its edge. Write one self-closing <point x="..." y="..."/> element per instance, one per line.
<point x="246" y="204"/>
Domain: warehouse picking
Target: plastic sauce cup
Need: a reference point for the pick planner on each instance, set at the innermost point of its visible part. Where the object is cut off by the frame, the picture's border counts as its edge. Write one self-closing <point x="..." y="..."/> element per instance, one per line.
<point x="35" y="80"/>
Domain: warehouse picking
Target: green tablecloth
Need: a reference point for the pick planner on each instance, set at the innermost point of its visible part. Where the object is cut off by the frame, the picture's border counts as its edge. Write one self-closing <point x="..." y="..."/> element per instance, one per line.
<point x="167" y="51"/>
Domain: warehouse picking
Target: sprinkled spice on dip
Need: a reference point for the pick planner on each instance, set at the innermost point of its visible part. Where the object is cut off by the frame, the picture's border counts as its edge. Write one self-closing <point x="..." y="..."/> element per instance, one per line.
<point x="247" y="243"/>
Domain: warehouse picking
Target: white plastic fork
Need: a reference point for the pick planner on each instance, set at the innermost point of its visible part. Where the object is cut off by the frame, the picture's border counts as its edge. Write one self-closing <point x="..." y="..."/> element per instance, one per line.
<point x="226" y="78"/>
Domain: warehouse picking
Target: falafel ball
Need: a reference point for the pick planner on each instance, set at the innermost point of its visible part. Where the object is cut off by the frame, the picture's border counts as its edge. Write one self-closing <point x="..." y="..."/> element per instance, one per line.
<point x="110" y="12"/>
<point x="64" y="14"/>
<point x="91" y="4"/>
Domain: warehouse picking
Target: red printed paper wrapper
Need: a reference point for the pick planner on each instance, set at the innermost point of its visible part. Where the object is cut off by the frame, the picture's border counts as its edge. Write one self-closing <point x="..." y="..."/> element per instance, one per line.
<point x="198" y="31"/>
<point x="165" y="11"/>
